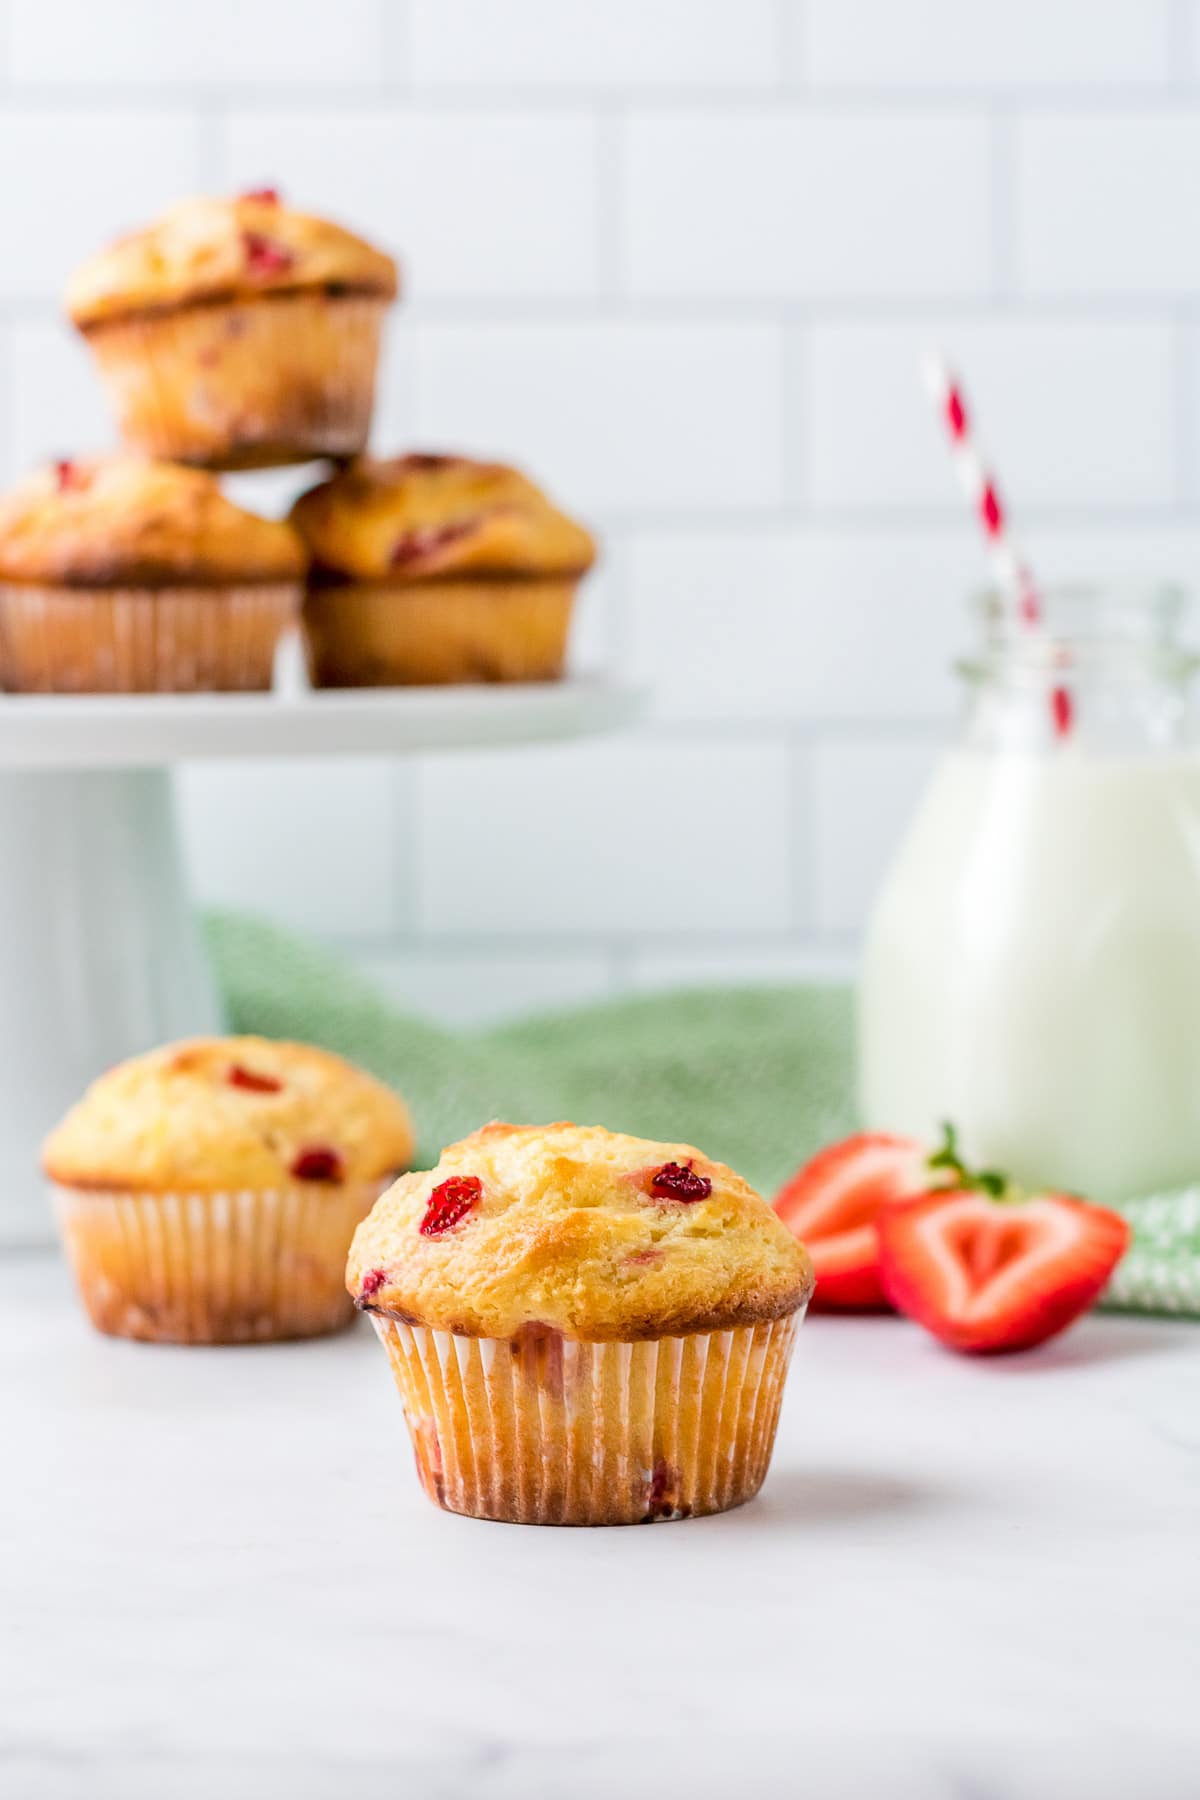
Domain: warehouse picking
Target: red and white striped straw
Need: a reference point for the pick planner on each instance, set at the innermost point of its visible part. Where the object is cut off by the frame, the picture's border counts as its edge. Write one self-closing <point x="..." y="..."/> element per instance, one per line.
<point x="1013" y="574"/>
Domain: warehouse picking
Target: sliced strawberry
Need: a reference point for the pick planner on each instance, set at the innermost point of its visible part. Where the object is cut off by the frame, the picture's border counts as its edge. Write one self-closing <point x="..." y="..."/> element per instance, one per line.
<point x="253" y="1080"/>
<point x="265" y="257"/>
<point x="833" y="1203"/>
<point x="426" y="540"/>
<point x="318" y="1162"/>
<point x="986" y="1274"/>
<point x="450" y="1201"/>
<point x="69" y="477"/>
<point x="679" y="1181"/>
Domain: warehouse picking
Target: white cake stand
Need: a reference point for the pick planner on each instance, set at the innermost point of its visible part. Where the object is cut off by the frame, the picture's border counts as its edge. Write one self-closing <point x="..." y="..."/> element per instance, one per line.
<point x="100" y="956"/>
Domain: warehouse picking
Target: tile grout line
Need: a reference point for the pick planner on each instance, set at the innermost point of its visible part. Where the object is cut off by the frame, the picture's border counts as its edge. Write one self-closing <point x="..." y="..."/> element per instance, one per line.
<point x="1181" y="28"/>
<point x="802" y="837"/>
<point x="212" y="149"/>
<point x="794" y="453"/>
<point x="790" y="47"/>
<point x="1002" y="205"/>
<point x="558" y="947"/>
<point x="610" y="174"/>
<point x="618" y="633"/>
<point x="617" y="952"/>
<point x="408" y="784"/>
<point x="531" y="313"/>
<point x="622" y="955"/>
<point x="1185" y="371"/>
<point x="8" y="411"/>
<point x="353" y="95"/>
<point x="395" y="25"/>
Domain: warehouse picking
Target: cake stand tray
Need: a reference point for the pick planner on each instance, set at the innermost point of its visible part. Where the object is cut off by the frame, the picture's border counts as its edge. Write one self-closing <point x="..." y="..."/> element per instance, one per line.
<point x="100" y="955"/>
<point x="129" y="731"/>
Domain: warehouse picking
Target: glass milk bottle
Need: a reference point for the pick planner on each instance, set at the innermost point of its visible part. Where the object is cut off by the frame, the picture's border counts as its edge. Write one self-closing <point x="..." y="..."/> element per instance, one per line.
<point x="1032" y="968"/>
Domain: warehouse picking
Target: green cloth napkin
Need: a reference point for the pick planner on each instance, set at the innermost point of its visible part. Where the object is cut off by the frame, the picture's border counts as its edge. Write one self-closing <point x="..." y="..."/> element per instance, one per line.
<point x="760" y="1076"/>
<point x="1160" y="1272"/>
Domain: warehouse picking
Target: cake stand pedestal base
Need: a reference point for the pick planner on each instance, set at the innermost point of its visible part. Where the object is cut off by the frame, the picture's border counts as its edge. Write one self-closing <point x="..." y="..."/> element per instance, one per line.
<point x="100" y="954"/>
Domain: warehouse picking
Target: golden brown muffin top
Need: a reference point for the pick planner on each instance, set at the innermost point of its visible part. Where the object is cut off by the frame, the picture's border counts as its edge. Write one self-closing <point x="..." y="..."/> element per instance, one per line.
<point x="109" y="521"/>
<point x="224" y="249"/>
<point x="579" y="1229"/>
<point x="416" y="517"/>
<point x="226" y="1114"/>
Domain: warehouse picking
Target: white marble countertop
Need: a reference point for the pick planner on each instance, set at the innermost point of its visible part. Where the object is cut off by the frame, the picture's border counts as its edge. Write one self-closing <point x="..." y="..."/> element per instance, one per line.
<point x="220" y="1579"/>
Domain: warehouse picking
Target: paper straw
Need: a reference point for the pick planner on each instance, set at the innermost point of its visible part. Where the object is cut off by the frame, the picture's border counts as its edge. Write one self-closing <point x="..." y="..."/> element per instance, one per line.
<point x="1012" y="573"/>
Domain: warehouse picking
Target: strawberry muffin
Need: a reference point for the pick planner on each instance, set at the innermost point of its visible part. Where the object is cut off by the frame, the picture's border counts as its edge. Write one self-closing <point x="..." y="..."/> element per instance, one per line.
<point x="429" y="569"/>
<point x="120" y="575"/>
<point x="207" y="1192"/>
<point x="236" y="333"/>
<point x="585" y="1328"/>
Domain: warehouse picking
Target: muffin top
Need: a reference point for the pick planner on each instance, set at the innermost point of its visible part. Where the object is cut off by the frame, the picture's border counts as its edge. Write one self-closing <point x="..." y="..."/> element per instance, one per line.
<point x="113" y="520"/>
<point x="225" y="1114"/>
<point x="412" y="518"/>
<point x="597" y="1235"/>
<point x="224" y="249"/>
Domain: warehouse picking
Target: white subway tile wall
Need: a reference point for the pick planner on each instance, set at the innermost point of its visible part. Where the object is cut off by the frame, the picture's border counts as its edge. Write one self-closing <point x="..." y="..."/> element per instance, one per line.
<point x="482" y="205"/>
<point x="850" y="778"/>
<point x="55" y="406"/>
<point x="1101" y="201"/>
<point x="1048" y="397"/>
<point x="967" y="44"/>
<point x="72" y="175"/>
<point x="317" y="845"/>
<point x="233" y="43"/>
<point x="622" y="44"/>
<point x="794" y="625"/>
<point x="773" y="203"/>
<point x="662" y="839"/>
<point x="681" y="258"/>
<point x="619" y="415"/>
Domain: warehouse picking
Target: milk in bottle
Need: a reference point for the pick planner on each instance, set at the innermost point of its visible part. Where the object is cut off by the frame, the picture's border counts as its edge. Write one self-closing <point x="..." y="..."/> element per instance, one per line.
<point x="1032" y="967"/>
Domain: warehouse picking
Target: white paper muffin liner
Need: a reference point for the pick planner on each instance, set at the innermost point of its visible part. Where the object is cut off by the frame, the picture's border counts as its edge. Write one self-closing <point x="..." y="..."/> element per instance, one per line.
<point x="250" y="383"/>
<point x="395" y="634"/>
<point x="221" y="1268"/>
<point x="545" y="1430"/>
<point x="65" y="640"/>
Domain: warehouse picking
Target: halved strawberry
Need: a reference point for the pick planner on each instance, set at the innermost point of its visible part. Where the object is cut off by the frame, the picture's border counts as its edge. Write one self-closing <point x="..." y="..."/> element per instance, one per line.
<point x="986" y="1273"/>
<point x="833" y="1203"/>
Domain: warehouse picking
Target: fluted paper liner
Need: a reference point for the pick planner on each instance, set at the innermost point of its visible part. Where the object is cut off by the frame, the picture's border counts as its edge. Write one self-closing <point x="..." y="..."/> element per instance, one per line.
<point x="540" y="1429"/>
<point x="223" y="1268"/>
<point x="245" y="384"/>
<point x="63" y="640"/>
<point x="392" y="634"/>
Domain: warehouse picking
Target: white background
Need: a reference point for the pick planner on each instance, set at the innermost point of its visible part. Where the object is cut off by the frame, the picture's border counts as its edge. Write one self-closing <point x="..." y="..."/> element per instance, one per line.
<point x="679" y="257"/>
